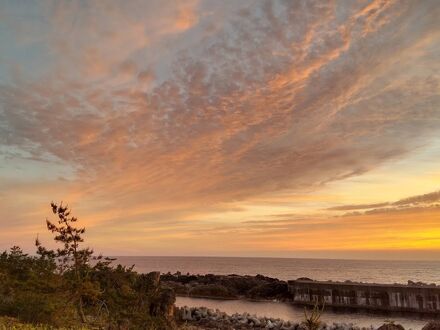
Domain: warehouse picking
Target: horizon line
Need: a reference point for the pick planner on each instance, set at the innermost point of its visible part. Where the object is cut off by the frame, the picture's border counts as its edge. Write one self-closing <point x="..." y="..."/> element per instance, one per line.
<point x="261" y="257"/>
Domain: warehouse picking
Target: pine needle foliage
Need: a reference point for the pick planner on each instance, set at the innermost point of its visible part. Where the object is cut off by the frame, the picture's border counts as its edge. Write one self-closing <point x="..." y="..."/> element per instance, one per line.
<point x="73" y="261"/>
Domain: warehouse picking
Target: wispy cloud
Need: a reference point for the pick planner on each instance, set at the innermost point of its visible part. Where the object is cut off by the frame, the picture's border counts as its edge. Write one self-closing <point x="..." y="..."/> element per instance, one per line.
<point x="357" y="207"/>
<point x="430" y="198"/>
<point x="419" y="202"/>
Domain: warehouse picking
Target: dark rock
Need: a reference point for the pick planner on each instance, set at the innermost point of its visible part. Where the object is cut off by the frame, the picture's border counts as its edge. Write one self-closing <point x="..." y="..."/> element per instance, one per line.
<point x="228" y="286"/>
<point x="391" y="326"/>
<point x="433" y="325"/>
<point x="161" y="299"/>
<point x="211" y="290"/>
<point x="268" y="290"/>
<point x="304" y="279"/>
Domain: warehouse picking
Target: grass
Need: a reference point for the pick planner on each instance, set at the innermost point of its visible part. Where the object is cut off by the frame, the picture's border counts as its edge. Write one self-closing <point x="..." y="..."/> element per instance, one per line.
<point x="9" y="323"/>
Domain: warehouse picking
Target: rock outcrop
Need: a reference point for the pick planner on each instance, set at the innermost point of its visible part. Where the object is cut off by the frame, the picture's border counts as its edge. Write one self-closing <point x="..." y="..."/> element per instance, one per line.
<point x="227" y="286"/>
<point x="391" y="326"/>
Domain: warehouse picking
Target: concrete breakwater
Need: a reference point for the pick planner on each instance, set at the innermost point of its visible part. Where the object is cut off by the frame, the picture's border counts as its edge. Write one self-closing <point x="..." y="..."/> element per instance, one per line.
<point x="414" y="297"/>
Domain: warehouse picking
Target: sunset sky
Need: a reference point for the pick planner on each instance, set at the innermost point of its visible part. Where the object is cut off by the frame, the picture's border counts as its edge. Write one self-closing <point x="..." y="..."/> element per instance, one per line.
<point x="224" y="128"/>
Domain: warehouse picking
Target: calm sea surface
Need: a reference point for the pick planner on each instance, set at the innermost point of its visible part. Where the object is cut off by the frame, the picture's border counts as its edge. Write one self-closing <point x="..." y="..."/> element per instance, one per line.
<point x="286" y="269"/>
<point x="290" y="269"/>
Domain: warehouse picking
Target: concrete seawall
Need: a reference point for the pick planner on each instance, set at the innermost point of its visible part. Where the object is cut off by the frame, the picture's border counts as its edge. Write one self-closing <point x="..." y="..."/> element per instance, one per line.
<point x="380" y="297"/>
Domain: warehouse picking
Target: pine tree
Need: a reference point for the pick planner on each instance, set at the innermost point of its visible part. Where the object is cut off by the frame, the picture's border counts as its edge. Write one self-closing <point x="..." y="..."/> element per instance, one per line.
<point x="73" y="261"/>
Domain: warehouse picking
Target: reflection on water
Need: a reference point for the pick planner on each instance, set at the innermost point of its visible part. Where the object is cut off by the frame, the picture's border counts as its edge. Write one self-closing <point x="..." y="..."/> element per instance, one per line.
<point x="295" y="313"/>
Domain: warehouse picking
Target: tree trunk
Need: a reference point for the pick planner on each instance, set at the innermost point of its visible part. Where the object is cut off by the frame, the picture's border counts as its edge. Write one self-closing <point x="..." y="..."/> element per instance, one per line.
<point x="81" y="310"/>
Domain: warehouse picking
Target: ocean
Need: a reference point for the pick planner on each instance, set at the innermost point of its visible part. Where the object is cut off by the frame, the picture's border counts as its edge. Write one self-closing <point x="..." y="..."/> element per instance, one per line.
<point x="290" y="269"/>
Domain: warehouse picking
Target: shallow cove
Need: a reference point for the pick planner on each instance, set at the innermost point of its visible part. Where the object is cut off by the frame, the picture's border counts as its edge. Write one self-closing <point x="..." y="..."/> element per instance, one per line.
<point x="295" y="313"/>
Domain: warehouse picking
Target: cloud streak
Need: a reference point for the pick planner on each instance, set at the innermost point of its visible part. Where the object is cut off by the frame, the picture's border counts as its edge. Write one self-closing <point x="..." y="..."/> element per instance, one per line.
<point x="418" y="202"/>
<point x="430" y="198"/>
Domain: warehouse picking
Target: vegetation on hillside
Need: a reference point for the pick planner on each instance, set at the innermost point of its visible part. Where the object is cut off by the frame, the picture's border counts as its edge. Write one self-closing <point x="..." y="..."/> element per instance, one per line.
<point x="72" y="287"/>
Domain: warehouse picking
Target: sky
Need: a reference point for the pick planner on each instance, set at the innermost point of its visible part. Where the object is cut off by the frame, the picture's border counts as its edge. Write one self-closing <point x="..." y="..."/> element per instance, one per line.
<point x="224" y="128"/>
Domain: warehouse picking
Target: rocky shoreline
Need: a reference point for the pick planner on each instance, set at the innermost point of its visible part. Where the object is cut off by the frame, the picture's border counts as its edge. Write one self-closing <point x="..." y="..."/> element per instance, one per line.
<point x="205" y="318"/>
<point x="215" y="319"/>
<point x="252" y="288"/>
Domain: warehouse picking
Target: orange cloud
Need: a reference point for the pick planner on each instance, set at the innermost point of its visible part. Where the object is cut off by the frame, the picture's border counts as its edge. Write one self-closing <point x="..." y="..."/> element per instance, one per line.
<point x="186" y="17"/>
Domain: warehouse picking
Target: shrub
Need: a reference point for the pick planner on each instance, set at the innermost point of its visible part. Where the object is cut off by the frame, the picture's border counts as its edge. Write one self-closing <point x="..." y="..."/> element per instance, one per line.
<point x="312" y="322"/>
